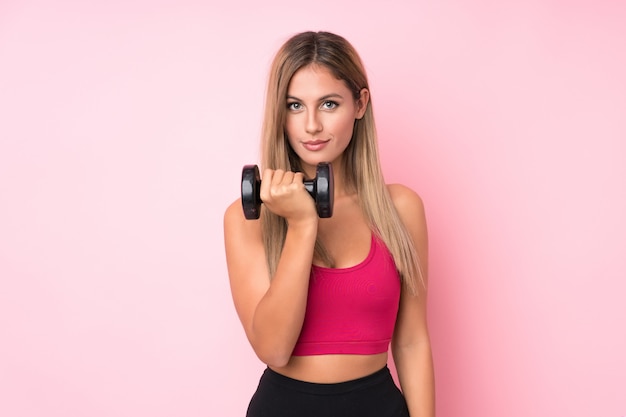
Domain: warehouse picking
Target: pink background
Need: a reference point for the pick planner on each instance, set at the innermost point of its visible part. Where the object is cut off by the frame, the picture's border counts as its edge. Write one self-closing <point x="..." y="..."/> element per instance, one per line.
<point x="123" y="129"/>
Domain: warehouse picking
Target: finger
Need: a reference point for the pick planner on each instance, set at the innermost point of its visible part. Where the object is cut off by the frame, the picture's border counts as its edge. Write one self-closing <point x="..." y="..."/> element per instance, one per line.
<point x="267" y="174"/>
<point x="277" y="177"/>
<point x="276" y="184"/>
<point x="288" y="178"/>
<point x="266" y="183"/>
<point x="298" y="177"/>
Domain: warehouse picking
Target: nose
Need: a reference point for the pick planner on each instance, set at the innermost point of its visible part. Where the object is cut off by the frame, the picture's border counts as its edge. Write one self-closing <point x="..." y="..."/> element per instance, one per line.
<point x="313" y="123"/>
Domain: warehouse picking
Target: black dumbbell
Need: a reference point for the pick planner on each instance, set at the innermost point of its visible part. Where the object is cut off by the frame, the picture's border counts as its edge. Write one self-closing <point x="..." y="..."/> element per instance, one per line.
<point x="321" y="189"/>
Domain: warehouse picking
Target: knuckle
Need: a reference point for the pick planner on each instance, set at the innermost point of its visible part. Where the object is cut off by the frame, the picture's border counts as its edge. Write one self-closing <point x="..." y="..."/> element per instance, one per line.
<point x="288" y="177"/>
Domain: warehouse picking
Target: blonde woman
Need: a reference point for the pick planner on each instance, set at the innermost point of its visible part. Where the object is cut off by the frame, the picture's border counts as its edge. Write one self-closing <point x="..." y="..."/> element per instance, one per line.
<point x="321" y="300"/>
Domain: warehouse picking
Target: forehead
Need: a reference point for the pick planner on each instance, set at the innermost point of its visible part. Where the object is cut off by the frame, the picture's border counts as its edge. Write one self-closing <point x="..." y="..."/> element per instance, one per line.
<point x="315" y="81"/>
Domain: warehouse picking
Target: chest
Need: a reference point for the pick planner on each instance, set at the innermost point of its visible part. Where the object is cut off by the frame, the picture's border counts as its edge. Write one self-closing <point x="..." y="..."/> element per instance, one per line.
<point x="346" y="237"/>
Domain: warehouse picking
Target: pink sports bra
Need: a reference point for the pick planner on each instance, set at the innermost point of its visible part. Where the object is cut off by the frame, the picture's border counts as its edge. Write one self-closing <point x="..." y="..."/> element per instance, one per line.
<point x="351" y="310"/>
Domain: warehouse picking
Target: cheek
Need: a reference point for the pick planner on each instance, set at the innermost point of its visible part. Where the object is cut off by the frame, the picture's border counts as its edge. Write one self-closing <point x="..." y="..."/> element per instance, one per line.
<point x="292" y="126"/>
<point x="344" y="128"/>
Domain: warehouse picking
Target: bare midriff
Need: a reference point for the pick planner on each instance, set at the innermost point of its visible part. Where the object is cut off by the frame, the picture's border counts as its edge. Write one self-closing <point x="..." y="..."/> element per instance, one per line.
<point x="328" y="369"/>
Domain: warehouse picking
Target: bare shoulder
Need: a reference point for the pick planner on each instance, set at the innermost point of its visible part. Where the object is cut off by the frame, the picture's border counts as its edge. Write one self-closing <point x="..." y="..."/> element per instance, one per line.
<point x="233" y="219"/>
<point x="408" y="203"/>
<point x="236" y="226"/>
<point x="245" y="254"/>
<point x="411" y="211"/>
<point x="233" y="213"/>
<point x="242" y="238"/>
<point x="233" y="210"/>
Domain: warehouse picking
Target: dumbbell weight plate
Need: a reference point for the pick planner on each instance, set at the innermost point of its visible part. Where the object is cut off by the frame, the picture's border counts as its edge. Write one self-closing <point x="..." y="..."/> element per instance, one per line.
<point x="324" y="190"/>
<point x="251" y="192"/>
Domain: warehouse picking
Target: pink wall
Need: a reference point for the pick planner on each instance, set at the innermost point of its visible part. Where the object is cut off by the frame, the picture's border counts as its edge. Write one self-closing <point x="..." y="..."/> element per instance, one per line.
<point x="123" y="129"/>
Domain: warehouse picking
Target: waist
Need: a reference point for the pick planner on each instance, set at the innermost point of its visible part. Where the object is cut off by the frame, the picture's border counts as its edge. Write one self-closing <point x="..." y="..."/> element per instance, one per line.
<point x="369" y="380"/>
<point x="324" y="369"/>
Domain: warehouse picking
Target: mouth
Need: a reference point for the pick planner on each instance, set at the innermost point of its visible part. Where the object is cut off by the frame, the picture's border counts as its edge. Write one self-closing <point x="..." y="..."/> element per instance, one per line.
<point x="315" y="145"/>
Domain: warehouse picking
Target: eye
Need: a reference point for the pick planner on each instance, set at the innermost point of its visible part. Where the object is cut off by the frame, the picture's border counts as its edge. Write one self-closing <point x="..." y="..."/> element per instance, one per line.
<point x="294" y="106"/>
<point x="329" y="105"/>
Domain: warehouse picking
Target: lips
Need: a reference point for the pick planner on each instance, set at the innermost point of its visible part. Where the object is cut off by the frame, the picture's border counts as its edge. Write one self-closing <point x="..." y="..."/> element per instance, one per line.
<point x="315" y="145"/>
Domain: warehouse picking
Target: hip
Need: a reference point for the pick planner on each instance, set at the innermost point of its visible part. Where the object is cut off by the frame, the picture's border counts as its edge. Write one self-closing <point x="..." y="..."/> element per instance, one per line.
<point x="374" y="395"/>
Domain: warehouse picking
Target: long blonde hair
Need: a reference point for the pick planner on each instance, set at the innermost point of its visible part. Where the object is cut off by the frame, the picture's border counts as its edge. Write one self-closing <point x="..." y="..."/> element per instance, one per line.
<point x="361" y="166"/>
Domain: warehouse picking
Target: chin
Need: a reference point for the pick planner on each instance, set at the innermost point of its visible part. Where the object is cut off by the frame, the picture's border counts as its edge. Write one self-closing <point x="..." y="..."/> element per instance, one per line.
<point x="313" y="162"/>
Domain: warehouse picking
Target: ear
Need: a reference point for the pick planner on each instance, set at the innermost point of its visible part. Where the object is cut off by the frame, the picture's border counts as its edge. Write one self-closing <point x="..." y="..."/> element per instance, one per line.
<point x="361" y="103"/>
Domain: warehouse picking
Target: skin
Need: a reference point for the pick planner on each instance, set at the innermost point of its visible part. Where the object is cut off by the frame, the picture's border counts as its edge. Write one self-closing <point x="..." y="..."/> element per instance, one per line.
<point x="322" y="108"/>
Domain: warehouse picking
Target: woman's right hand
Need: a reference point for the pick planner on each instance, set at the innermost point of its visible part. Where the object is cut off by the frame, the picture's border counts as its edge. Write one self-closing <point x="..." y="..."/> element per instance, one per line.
<point x="284" y="194"/>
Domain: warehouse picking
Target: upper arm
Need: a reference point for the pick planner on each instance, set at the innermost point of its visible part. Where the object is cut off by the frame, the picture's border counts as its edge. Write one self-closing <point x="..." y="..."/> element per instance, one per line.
<point x="411" y="326"/>
<point x="245" y="259"/>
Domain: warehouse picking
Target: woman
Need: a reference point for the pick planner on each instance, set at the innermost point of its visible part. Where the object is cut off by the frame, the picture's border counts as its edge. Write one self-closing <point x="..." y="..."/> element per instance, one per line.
<point x="322" y="299"/>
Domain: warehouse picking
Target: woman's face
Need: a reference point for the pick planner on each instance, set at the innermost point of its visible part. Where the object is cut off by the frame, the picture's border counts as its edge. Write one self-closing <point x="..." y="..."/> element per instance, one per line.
<point x="320" y="116"/>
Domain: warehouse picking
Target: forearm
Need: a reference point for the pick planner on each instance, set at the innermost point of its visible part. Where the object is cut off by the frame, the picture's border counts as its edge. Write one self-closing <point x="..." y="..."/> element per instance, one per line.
<point x="279" y="315"/>
<point x="416" y="374"/>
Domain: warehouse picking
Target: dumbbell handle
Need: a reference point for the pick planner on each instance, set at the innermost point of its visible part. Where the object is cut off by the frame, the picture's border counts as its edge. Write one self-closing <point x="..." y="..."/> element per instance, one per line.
<point x="310" y="187"/>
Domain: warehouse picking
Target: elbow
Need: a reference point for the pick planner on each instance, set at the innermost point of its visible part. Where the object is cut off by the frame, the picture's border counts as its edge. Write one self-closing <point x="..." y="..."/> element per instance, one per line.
<point x="275" y="358"/>
<point x="278" y="362"/>
<point x="272" y="348"/>
<point x="274" y="355"/>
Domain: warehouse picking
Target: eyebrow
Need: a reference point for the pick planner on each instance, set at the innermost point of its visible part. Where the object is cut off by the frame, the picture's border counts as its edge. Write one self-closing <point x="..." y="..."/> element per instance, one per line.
<point x="326" y="97"/>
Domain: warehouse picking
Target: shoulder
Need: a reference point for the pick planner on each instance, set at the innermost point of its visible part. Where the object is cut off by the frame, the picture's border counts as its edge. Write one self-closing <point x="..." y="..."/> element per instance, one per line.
<point x="235" y="223"/>
<point x="233" y="211"/>
<point x="405" y="200"/>
<point x="233" y="214"/>
<point x="410" y="208"/>
<point x="243" y="244"/>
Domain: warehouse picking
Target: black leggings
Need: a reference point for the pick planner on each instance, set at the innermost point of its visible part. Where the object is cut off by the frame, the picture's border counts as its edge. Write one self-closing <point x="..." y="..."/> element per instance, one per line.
<point x="375" y="395"/>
